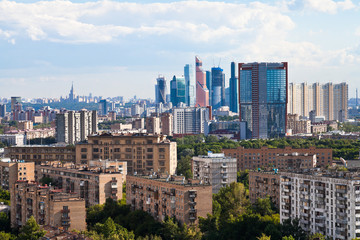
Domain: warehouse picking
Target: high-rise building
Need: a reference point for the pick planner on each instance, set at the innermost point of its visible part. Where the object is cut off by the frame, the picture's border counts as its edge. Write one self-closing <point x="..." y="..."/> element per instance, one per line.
<point x="177" y="90"/>
<point x="103" y="107"/>
<point x="202" y="92"/>
<point x="2" y="110"/>
<point x="14" y="100"/>
<point x="208" y="84"/>
<point x="189" y="91"/>
<point x="190" y="120"/>
<point x="263" y="98"/>
<point x="327" y="100"/>
<point x="160" y="90"/>
<point x="234" y="91"/>
<point x="72" y="96"/>
<point x="217" y="87"/>
<point x="73" y="127"/>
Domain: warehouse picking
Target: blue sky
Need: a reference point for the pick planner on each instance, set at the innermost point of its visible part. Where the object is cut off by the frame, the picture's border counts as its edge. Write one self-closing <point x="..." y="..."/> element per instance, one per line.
<point x="118" y="48"/>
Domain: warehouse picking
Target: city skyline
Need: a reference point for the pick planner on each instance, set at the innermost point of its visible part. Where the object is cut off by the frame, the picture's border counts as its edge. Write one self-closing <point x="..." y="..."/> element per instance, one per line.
<point x="119" y="48"/>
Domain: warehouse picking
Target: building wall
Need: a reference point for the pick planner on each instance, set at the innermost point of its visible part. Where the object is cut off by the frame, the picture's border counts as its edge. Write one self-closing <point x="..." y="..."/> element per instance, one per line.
<point x="263" y="184"/>
<point x="75" y="215"/>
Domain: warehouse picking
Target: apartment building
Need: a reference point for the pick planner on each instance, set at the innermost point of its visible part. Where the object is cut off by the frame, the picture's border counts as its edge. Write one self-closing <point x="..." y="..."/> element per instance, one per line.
<point x="215" y="169"/>
<point x="13" y="139"/>
<point x="171" y="196"/>
<point x="143" y="153"/>
<point x="325" y="202"/>
<point x="251" y="158"/>
<point x="13" y="170"/>
<point x="42" y="153"/>
<point x="296" y="125"/>
<point x="190" y="120"/>
<point x="47" y="205"/>
<point x="264" y="184"/>
<point x="94" y="182"/>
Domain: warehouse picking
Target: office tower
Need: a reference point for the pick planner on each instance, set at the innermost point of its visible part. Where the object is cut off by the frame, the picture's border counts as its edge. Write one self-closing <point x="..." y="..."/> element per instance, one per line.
<point x="73" y="127"/>
<point x="234" y="91"/>
<point x="14" y="100"/>
<point x="326" y="100"/>
<point x="177" y="90"/>
<point x="263" y="98"/>
<point x="160" y="90"/>
<point x="190" y="120"/>
<point x="217" y="87"/>
<point x="72" y="96"/>
<point x="103" y="107"/>
<point x="2" y="110"/>
<point x="190" y="101"/>
<point x="202" y="92"/>
<point x="208" y="84"/>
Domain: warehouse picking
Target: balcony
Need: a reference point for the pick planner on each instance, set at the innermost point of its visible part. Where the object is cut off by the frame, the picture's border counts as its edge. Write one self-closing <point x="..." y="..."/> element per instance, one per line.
<point x="192" y="210"/>
<point x="114" y="185"/>
<point x="319" y="187"/>
<point x="191" y="203"/>
<point x="341" y="221"/>
<point x="341" y="190"/>
<point x="319" y="224"/>
<point x="286" y="182"/>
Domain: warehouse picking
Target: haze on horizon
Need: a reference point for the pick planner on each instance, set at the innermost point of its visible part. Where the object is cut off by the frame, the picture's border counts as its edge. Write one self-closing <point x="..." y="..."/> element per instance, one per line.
<point x="112" y="48"/>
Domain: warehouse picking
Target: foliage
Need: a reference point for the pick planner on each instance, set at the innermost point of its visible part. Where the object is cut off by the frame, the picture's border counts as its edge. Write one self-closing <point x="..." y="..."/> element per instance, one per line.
<point x="264" y="237"/>
<point x="243" y="177"/>
<point x="348" y="127"/>
<point x="291" y="227"/>
<point x="184" y="167"/>
<point x="5" y="196"/>
<point x="4" y="222"/>
<point x="43" y="141"/>
<point x="288" y="238"/>
<point x="107" y="124"/>
<point x="31" y="231"/>
<point x="111" y="230"/>
<point x="46" y="181"/>
<point x="173" y="230"/>
<point x="263" y="206"/>
<point x="42" y="125"/>
<point x="317" y="236"/>
<point x="6" y="236"/>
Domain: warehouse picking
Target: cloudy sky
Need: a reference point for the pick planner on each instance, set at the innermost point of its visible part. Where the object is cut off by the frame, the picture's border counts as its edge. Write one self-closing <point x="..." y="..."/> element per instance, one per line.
<point x="118" y="48"/>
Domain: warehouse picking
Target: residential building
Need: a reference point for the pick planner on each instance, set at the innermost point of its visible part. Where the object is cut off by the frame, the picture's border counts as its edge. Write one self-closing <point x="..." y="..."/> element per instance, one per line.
<point x="263" y="98"/>
<point x="138" y="123"/>
<point x="281" y="158"/>
<point x="153" y="124"/>
<point x="328" y="100"/>
<point x="217" y="87"/>
<point x="202" y="91"/>
<point x="42" y="153"/>
<point x="177" y="91"/>
<point x="160" y="90"/>
<point x="13" y="139"/>
<point x="264" y="184"/>
<point x="296" y="125"/>
<point x="190" y="120"/>
<point x="94" y="182"/>
<point x="143" y="153"/>
<point x="170" y="196"/>
<point x="215" y="169"/>
<point x="14" y="101"/>
<point x="73" y="127"/>
<point x="167" y="122"/>
<point x="13" y="170"/>
<point x="325" y="202"/>
<point x="234" y="90"/>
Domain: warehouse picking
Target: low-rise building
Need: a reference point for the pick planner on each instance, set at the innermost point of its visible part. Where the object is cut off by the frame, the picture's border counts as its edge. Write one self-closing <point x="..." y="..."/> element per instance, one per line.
<point x="326" y="202"/>
<point x="264" y="184"/>
<point x="42" y="153"/>
<point x="319" y="128"/>
<point x="94" y="182"/>
<point x="143" y="153"/>
<point x="215" y="169"/>
<point x="13" y="139"/>
<point x="171" y="196"/>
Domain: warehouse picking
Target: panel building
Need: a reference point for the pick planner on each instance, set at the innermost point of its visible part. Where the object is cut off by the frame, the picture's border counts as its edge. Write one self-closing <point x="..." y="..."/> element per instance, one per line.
<point x="327" y="100"/>
<point x="326" y="202"/>
<point x="171" y="196"/>
<point x="263" y="98"/>
<point x="73" y="127"/>
<point x="214" y="169"/>
<point x="202" y="91"/>
<point x="143" y="153"/>
<point x="190" y="120"/>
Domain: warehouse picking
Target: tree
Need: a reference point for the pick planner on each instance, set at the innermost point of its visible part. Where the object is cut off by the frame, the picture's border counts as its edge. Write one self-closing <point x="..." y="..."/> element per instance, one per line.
<point x="263" y="237"/>
<point x="31" y="230"/>
<point x="111" y="230"/>
<point x="243" y="177"/>
<point x="288" y="238"/>
<point x="4" y="222"/>
<point x="46" y="180"/>
<point x="184" y="167"/>
<point x="317" y="236"/>
<point x="292" y="227"/>
<point x="263" y="206"/>
<point x="6" y="236"/>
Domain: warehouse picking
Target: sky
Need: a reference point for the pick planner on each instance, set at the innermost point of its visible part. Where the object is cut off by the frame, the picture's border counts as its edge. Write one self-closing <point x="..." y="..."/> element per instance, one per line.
<point x="118" y="48"/>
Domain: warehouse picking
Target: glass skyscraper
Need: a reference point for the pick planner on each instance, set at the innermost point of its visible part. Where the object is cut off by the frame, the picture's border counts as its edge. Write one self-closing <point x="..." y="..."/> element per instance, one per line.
<point x="217" y="87"/>
<point x="160" y="90"/>
<point x="177" y="90"/>
<point x="189" y="90"/>
<point x="263" y="98"/>
<point x="234" y="91"/>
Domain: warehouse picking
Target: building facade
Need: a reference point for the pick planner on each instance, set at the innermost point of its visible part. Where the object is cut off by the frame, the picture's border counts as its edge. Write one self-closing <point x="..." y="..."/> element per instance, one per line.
<point x="217" y="87"/>
<point x="325" y="202"/>
<point x="143" y="153"/>
<point x="169" y="196"/>
<point x="264" y="184"/>
<point x="214" y="169"/>
<point x="177" y="91"/>
<point x="263" y="98"/>
<point x="190" y="120"/>
<point x="202" y="91"/>
<point x="13" y="139"/>
<point x="252" y="158"/>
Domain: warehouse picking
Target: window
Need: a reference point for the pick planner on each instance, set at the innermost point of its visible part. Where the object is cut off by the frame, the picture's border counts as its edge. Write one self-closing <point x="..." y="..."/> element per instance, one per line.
<point x="83" y="149"/>
<point x="128" y="141"/>
<point x="117" y="150"/>
<point x="149" y="156"/>
<point x="161" y="150"/>
<point x="83" y="156"/>
<point x="149" y="150"/>
<point x="95" y="150"/>
<point x="128" y="150"/>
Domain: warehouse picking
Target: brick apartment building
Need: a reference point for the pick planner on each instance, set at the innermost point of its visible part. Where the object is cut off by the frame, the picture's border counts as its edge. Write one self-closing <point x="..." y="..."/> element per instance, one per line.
<point x="143" y="153"/>
<point x="11" y="171"/>
<point x="40" y="153"/>
<point x="263" y="184"/>
<point x="94" y="182"/>
<point x="171" y="196"/>
<point x="252" y="158"/>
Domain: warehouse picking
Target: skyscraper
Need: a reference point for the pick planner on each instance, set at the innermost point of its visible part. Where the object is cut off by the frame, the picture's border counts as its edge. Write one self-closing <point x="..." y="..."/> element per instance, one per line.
<point x="72" y="95"/>
<point x="263" y="98"/>
<point x="202" y="92"/>
<point x="177" y="90"/>
<point x="160" y="90"/>
<point x="217" y="87"/>
<point x="190" y="101"/>
<point x="2" y="110"/>
<point x="234" y="90"/>
<point x="208" y="84"/>
<point x="103" y="107"/>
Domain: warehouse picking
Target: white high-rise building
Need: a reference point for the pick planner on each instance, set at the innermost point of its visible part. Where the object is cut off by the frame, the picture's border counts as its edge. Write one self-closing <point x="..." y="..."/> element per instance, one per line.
<point x="190" y="120"/>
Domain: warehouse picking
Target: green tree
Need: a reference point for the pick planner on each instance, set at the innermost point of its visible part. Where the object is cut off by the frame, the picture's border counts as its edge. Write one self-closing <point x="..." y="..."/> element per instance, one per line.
<point x="292" y="227"/>
<point x="264" y="237"/>
<point x="317" y="236"/>
<point x="243" y="177"/>
<point x="4" y="222"/>
<point x="6" y="236"/>
<point x="288" y="238"/>
<point x="263" y="206"/>
<point x="184" y="167"/>
<point x="31" y="230"/>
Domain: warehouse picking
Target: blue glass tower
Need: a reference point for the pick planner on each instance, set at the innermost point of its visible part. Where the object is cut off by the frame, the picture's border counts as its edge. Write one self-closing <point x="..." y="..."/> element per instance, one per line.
<point x="234" y="91"/>
<point x="217" y="87"/>
<point x="189" y="90"/>
<point x="177" y="90"/>
<point x="208" y="84"/>
<point x="263" y="98"/>
<point x="160" y="90"/>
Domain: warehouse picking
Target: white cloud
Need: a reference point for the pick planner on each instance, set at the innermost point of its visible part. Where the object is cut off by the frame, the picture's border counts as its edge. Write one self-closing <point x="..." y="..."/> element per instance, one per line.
<point x="326" y="6"/>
